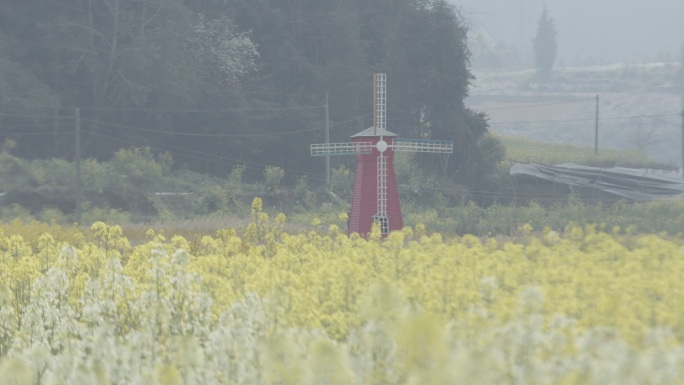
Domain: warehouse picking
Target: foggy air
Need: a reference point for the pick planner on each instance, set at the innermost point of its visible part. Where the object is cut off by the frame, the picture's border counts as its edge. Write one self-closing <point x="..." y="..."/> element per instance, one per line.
<point x="341" y="192"/>
<point x="626" y="54"/>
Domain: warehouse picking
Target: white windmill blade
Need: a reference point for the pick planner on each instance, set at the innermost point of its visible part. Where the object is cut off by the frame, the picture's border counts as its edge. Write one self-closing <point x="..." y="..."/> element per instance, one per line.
<point x="380" y="104"/>
<point x="382" y="185"/>
<point x="423" y="145"/>
<point x="349" y="148"/>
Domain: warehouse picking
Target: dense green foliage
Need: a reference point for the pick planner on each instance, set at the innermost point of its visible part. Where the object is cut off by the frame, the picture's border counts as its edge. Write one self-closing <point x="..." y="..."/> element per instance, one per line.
<point x="137" y="185"/>
<point x="235" y="82"/>
<point x="134" y="184"/>
<point x="664" y="216"/>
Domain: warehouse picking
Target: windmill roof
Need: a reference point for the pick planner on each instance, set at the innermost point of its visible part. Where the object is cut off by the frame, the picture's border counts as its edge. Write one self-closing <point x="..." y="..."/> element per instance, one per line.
<point x="370" y="131"/>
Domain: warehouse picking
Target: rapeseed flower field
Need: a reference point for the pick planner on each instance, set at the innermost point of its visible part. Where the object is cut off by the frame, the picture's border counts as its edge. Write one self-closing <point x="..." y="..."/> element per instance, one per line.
<point x="581" y="306"/>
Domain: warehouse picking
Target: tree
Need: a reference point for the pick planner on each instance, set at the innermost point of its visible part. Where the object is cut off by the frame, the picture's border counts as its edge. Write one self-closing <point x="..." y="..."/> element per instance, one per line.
<point x="488" y="55"/>
<point x="134" y="68"/>
<point x="227" y="53"/>
<point x="426" y="57"/>
<point x="226" y="82"/>
<point x="545" y="47"/>
<point x="307" y="48"/>
<point x="642" y="135"/>
<point x="26" y="103"/>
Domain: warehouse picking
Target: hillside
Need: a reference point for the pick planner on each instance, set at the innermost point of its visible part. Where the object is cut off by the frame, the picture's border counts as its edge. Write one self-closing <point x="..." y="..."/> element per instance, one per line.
<point x="521" y="149"/>
<point x="639" y="107"/>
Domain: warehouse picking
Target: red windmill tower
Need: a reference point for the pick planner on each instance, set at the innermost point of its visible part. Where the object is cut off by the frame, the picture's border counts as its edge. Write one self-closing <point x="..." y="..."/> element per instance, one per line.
<point x="376" y="197"/>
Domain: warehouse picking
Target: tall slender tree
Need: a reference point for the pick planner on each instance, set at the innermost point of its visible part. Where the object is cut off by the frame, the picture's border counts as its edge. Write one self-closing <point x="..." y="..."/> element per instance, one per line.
<point x="545" y="46"/>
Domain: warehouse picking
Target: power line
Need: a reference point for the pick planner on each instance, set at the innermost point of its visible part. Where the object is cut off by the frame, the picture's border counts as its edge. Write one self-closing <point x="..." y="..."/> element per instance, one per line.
<point x="135" y="141"/>
<point x="200" y="134"/>
<point x="583" y="120"/>
<point x="298" y="108"/>
<point x="350" y="120"/>
<point x="189" y="153"/>
<point x="534" y="105"/>
<point x="655" y="117"/>
<point x="205" y="110"/>
<point x="176" y="110"/>
<point x="49" y="125"/>
<point x="34" y="133"/>
<point x="221" y="135"/>
<point x="199" y="155"/>
<point x="157" y="147"/>
<point x="36" y="116"/>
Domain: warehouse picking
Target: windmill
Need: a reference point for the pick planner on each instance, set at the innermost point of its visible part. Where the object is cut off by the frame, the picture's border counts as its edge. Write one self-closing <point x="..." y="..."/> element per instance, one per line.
<point x="376" y="197"/>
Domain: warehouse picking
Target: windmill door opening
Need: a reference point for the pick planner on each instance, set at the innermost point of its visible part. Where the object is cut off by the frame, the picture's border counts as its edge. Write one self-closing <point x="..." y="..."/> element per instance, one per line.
<point x="382" y="221"/>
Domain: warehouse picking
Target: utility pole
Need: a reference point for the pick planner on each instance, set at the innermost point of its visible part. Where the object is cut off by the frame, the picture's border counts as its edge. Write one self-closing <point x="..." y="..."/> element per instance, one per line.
<point x="597" y="127"/>
<point x="77" y="161"/>
<point x="683" y="143"/>
<point x="327" y="140"/>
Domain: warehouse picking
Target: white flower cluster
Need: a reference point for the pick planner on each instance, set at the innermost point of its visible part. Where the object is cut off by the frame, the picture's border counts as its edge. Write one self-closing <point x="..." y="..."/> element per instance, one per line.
<point x="167" y="334"/>
<point x="163" y="336"/>
<point x="216" y="43"/>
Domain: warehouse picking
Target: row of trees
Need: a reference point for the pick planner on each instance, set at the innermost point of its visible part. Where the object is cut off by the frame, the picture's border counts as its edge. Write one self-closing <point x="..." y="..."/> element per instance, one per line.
<point x="501" y="56"/>
<point x="220" y="83"/>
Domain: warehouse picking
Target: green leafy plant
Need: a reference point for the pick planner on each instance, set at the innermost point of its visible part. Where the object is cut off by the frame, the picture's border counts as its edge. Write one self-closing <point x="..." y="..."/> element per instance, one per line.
<point x="342" y="182"/>
<point x="273" y="176"/>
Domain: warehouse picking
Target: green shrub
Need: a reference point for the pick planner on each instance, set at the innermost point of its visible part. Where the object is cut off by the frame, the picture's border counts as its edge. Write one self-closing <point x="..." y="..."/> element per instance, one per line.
<point x="52" y="215"/>
<point x="409" y="177"/>
<point x="303" y="196"/>
<point x="342" y="182"/>
<point x="15" y="211"/>
<point x="663" y="216"/>
<point x="129" y="181"/>
<point x="15" y="174"/>
<point x="92" y="214"/>
<point x="273" y="176"/>
<point x="213" y="199"/>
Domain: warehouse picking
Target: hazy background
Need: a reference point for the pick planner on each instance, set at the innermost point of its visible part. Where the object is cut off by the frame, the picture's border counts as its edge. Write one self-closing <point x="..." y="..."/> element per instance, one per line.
<point x="608" y="31"/>
<point x="625" y="51"/>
